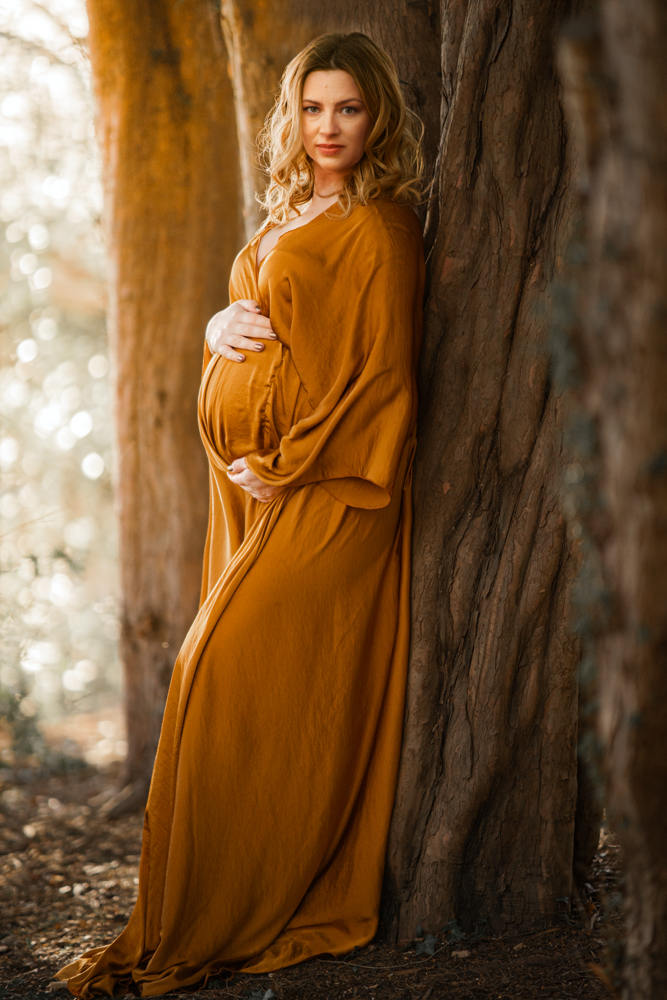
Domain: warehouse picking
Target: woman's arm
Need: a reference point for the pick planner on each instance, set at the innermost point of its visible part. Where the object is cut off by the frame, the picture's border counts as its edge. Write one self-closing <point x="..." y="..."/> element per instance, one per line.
<point x="355" y="311"/>
<point x="355" y="355"/>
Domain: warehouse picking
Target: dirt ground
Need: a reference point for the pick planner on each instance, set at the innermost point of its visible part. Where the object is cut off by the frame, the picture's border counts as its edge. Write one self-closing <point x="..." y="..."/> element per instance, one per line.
<point x="68" y="879"/>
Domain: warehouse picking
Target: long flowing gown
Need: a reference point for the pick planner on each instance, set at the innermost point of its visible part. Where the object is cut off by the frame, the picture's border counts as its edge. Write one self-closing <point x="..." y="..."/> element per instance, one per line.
<point x="266" y="825"/>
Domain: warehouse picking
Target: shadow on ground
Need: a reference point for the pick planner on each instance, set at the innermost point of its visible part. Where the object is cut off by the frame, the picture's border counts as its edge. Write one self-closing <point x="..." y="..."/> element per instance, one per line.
<point x="68" y="880"/>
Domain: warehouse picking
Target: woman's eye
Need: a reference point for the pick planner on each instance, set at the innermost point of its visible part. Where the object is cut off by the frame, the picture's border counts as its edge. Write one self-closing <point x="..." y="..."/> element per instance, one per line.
<point x="310" y="107"/>
<point x="352" y="111"/>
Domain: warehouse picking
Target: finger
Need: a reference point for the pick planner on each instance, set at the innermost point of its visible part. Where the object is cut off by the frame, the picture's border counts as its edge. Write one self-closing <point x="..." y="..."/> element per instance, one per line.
<point x="229" y="353"/>
<point x="243" y="479"/>
<point x="257" y="322"/>
<point x="249" y="489"/>
<point x="238" y="466"/>
<point x="249" y="304"/>
<point x="265" y="332"/>
<point x="236" y="479"/>
<point x="253" y="319"/>
<point x="244" y="343"/>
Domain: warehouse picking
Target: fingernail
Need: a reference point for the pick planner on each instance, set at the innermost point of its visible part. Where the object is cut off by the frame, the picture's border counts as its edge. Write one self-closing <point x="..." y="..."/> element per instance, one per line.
<point x="273" y="336"/>
<point x="239" y="357"/>
<point x="230" y="468"/>
<point x="258" y="309"/>
<point x="259" y="347"/>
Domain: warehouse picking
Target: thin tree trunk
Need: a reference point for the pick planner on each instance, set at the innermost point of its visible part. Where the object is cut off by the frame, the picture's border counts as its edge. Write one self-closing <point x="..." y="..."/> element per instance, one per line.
<point x="484" y="819"/>
<point x="167" y="130"/>
<point x="616" y="76"/>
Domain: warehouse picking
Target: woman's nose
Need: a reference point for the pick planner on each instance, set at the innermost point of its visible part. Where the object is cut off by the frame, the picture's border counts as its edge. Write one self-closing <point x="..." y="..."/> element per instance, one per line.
<point x="329" y="125"/>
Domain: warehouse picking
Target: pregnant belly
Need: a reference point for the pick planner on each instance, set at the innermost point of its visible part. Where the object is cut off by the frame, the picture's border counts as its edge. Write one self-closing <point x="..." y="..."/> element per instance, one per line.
<point x="235" y="403"/>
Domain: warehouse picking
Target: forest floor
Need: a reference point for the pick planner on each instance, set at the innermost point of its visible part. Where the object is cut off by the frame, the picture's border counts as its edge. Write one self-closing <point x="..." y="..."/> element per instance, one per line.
<point x="68" y="880"/>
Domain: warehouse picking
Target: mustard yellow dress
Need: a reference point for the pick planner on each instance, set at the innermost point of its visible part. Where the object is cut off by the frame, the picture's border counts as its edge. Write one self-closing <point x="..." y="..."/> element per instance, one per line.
<point x="267" y="820"/>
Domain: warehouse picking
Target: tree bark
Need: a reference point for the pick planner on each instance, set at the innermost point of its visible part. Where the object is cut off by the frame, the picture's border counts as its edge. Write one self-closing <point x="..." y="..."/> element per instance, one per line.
<point x="616" y="77"/>
<point x="484" y="818"/>
<point x="167" y="131"/>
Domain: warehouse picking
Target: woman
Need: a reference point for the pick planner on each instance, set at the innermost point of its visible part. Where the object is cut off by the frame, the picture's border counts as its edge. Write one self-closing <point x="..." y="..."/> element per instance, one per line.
<point x="267" y="819"/>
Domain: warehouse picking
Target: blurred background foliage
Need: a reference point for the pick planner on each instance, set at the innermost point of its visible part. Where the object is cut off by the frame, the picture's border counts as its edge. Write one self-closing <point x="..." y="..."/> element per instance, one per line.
<point x="58" y="580"/>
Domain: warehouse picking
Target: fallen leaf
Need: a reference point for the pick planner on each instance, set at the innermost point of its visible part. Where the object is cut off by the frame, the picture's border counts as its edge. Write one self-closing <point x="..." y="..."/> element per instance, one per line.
<point x="427" y="946"/>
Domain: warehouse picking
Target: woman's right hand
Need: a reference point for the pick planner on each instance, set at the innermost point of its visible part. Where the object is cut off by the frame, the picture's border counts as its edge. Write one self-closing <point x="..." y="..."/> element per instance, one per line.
<point x="240" y="326"/>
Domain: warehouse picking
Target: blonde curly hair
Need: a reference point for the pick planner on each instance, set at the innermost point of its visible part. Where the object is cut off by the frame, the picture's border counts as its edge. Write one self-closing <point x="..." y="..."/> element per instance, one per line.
<point x="392" y="164"/>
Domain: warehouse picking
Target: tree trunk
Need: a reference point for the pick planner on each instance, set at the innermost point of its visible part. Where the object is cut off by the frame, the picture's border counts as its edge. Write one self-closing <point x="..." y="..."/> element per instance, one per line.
<point x="484" y="819"/>
<point x="616" y="77"/>
<point x="167" y="130"/>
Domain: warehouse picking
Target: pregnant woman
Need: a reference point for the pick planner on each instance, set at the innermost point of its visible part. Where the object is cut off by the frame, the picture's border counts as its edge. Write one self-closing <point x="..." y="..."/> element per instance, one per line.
<point x="267" y="820"/>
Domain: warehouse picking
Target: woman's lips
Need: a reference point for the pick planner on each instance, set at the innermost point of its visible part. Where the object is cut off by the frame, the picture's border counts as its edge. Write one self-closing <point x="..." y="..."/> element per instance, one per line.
<point x="328" y="148"/>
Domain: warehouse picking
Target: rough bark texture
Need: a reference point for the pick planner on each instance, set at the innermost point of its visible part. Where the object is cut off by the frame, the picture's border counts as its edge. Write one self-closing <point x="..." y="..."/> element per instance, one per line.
<point x="167" y="130"/>
<point x="616" y="77"/>
<point x="484" y="818"/>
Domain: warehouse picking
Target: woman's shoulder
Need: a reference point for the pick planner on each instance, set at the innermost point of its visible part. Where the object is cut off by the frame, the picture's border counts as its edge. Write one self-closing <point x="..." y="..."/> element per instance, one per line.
<point x="392" y="213"/>
<point x="385" y="224"/>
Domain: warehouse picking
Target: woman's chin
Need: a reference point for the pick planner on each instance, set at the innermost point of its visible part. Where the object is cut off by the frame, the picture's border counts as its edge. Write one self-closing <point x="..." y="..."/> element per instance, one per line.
<point x="332" y="161"/>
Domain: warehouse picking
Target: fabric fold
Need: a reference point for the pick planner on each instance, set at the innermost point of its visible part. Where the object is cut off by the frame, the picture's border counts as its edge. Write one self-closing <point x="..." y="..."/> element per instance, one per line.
<point x="268" y="814"/>
<point x="360" y="380"/>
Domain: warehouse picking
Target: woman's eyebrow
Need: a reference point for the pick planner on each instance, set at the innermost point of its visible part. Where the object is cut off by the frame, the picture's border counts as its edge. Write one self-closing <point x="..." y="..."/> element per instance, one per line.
<point x="348" y="100"/>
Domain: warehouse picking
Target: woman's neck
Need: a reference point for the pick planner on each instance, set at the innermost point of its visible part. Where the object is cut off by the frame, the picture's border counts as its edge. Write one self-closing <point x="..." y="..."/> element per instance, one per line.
<point x="327" y="186"/>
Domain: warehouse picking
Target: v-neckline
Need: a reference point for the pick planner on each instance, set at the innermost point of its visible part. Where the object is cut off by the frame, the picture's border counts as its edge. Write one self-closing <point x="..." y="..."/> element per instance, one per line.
<point x="296" y="229"/>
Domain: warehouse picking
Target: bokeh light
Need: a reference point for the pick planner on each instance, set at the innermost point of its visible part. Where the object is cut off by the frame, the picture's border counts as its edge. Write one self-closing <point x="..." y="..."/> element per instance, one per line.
<point x="58" y="585"/>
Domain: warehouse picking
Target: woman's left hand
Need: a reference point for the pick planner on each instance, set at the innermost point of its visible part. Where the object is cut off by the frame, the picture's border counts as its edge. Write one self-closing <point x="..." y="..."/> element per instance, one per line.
<point x="240" y="474"/>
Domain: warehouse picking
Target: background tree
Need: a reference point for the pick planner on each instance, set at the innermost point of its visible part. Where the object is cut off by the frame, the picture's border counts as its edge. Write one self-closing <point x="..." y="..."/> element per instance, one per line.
<point x="166" y="129"/>
<point x="616" y="78"/>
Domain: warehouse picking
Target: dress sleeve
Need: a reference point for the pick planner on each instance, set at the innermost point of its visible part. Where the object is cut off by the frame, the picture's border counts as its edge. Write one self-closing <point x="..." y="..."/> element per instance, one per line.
<point x="357" y="365"/>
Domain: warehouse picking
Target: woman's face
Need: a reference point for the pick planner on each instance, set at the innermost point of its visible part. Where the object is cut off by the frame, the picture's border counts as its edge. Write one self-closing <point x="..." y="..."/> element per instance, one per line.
<point x="335" y="122"/>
